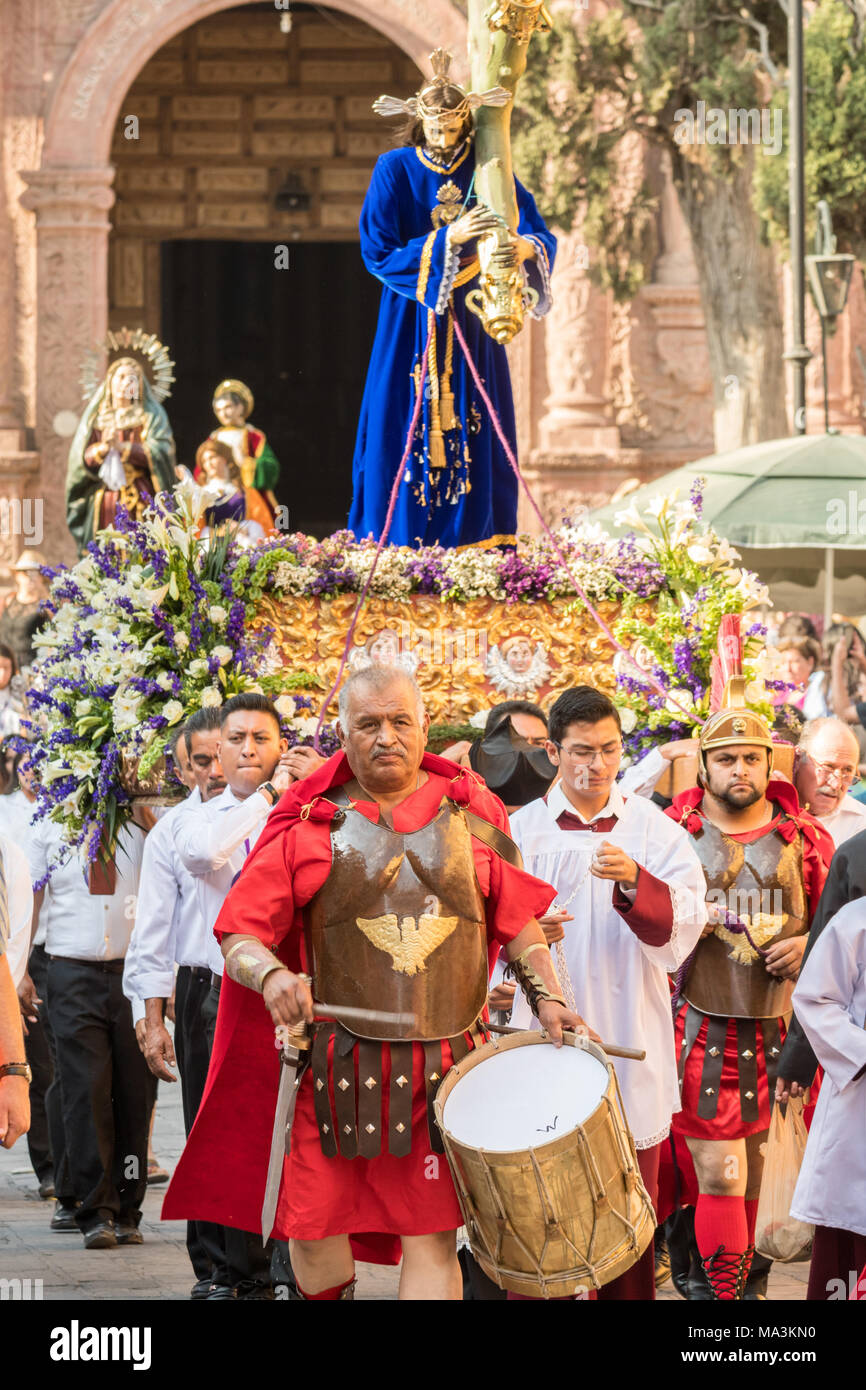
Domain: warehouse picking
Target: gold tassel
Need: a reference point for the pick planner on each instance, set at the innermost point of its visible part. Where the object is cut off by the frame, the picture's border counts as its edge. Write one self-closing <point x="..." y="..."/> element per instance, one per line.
<point x="436" y="456"/>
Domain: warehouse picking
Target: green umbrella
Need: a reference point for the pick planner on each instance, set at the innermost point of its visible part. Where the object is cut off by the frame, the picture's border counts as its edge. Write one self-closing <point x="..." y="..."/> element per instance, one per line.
<point x="794" y="508"/>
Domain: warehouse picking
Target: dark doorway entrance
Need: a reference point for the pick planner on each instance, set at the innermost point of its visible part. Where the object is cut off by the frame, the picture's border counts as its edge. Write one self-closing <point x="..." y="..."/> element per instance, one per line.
<point x="300" y="338"/>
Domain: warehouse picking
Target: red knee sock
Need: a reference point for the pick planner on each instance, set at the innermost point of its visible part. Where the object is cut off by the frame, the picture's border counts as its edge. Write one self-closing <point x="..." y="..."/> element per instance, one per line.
<point x="328" y="1295"/>
<point x="721" y="1222"/>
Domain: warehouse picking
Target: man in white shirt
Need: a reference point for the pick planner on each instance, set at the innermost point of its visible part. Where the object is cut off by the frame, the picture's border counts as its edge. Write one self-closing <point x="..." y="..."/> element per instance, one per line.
<point x="633" y="892"/>
<point x="107" y="1091"/>
<point x="212" y="841"/>
<point x="46" y="1119"/>
<point x="163" y="938"/>
<point x="825" y="767"/>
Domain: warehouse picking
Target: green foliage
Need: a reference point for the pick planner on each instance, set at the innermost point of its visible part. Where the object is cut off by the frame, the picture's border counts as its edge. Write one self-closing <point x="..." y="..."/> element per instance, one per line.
<point x="835" y="168"/>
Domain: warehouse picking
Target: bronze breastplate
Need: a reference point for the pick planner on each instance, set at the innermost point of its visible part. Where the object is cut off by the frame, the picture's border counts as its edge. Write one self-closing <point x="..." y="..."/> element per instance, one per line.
<point x="762" y="883"/>
<point x="399" y="924"/>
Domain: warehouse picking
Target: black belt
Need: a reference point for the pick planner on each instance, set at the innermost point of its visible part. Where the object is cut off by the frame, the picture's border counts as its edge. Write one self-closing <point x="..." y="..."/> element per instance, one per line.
<point x="216" y="981"/>
<point x="197" y="972"/>
<point x="110" y="967"/>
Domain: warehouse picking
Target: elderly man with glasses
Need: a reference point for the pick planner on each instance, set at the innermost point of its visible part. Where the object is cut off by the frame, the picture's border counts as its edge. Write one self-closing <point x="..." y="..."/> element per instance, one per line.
<point x="630" y="891"/>
<point x="827" y="764"/>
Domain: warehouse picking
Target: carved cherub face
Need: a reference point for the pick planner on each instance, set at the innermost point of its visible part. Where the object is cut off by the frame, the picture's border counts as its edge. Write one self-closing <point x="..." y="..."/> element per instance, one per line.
<point x="229" y="410"/>
<point x="519" y="656"/>
<point x="384" y="648"/>
<point x="125" y="383"/>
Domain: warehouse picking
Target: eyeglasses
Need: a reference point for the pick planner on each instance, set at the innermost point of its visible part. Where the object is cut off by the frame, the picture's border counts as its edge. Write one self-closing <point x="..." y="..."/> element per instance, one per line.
<point x="585" y="757"/>
<point x="828" y="770"/>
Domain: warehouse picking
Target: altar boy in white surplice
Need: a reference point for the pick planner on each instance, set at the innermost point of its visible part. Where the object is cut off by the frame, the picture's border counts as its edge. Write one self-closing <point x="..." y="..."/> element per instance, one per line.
<point x="633" y="890"/>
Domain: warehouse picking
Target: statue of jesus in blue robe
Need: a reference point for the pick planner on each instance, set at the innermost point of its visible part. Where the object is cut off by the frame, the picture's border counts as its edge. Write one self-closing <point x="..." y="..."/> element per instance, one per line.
<point x="458" y="488"/>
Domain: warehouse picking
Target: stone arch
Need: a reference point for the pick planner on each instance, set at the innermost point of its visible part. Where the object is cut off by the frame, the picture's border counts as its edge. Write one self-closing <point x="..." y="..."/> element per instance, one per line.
<point x="71" y="192"/>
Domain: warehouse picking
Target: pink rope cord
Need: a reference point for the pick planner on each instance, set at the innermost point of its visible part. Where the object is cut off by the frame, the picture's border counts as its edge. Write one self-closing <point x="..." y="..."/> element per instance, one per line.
<point x="389" y="517"/>
<point x="515" y="467"/>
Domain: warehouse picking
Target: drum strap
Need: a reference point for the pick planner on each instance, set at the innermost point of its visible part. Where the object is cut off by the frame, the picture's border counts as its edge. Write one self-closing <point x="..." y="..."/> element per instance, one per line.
<point x="494" y="838"/>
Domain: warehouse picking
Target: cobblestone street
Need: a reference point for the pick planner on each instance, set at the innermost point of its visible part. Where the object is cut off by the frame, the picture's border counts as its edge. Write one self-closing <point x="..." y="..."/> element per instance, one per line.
<point x="160" y="1269"/>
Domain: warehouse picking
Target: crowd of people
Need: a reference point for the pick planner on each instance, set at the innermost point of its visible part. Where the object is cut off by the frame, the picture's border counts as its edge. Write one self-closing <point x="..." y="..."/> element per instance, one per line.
<point x="678" y="927"/>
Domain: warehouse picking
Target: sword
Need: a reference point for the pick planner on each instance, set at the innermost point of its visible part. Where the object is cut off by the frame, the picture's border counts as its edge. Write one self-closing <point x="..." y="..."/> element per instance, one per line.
<point x="295" y="1044"/>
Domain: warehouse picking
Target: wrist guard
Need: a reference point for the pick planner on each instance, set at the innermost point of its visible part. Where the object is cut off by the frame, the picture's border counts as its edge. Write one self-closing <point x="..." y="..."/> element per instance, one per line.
<point x="530" y="981"/>
<point x="249" y="962"/>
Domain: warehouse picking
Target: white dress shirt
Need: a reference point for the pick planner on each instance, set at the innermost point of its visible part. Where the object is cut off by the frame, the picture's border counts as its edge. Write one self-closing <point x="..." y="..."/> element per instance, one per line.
<point x="169" y="929"/>
<point x="15" y="814"/>
<point x="213" y="840"/>
<point x="848" y="819"/>
<point x="19" y="902"/>
<point x="80" y="925"/>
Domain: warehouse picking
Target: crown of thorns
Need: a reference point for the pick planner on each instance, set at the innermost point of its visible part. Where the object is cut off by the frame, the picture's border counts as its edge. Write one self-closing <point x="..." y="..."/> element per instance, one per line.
<point x="427" y="101"/>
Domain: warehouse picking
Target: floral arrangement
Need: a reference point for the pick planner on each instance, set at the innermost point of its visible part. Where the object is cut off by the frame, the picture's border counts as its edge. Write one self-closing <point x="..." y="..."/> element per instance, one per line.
<point x="155" y="622"/>
<point x="701" y="584"/>
<point x="150" y="625"/>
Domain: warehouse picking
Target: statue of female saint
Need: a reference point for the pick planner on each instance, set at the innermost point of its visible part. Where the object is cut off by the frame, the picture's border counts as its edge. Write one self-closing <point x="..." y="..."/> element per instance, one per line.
<point x="419" y="230"/>
<point x="256" y="461"/>
<point x="233" y="504"/>
<point x="122" y="452"/>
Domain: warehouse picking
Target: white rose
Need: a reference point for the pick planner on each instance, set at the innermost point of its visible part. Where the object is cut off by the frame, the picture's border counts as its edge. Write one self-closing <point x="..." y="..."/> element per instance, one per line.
<point x="306" y="725"/>
<point x="173" y="711"/>
<point x="181" y="641"/>
<point x="211" y="698"/>
<point x="223" y="655"/>
<point x="217" y="613"/>
<point x="284" y="705"/>
<point x="98" y="600"/>
<point x="683" y="698"/>
<point x="164" y="680"/>
<point x="628" y="719"/>
<point x="198" y="667"/>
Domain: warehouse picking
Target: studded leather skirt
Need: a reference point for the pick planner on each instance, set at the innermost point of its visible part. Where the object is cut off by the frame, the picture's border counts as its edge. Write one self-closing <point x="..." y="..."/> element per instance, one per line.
<point x="727" y="1070"/>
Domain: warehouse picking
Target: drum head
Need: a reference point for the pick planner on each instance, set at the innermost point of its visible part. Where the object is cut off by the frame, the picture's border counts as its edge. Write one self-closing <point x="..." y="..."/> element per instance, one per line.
<point x="524" y="1097"/>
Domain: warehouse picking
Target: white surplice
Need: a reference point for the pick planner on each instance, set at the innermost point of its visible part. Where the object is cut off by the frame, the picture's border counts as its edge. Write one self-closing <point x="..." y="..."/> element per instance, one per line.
<point x="830" y="1002"/>
<point x="620" y="984"/>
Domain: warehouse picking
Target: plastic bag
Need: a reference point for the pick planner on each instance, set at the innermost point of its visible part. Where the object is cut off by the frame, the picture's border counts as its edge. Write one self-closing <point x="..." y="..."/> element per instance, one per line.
<point x="777" y="1233"/>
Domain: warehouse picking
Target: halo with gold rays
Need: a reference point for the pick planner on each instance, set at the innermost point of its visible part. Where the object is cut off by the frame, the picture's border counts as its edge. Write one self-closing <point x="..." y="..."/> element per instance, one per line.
<point x="148" y="351"/>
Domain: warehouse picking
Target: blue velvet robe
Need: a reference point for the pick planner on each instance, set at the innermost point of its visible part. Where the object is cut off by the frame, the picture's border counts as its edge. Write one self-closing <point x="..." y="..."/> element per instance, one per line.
<point x="474" y="498"/>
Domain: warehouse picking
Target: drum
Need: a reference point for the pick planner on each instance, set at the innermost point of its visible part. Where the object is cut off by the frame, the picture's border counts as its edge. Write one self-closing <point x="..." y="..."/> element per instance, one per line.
<point x="544" y="1165"/>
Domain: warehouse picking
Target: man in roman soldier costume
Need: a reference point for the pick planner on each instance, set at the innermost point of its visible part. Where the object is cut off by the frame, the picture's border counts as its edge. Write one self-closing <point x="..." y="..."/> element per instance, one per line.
<point x="366" y="921"/>
<point x="765" y="861"/>
<point x="420" y="227"/>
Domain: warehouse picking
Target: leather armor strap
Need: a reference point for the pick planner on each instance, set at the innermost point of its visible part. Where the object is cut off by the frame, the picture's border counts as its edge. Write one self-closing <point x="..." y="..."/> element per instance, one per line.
<point x="321" y="1099"/>
<point x="711" y="1075"/>
<point x="369" y="1098"/>
<point x="772" y="1035"/>
<point x="747" y="1067"/>
<point x="494" y="838"/>
<point x="343" y="1065"/>
<point x="694" y="1019"/>
<point x="400" y="1100"/>
<point x="432" y="1077"/>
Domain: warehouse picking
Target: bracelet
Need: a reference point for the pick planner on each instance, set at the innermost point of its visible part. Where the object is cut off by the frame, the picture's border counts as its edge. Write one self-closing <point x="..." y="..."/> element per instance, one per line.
<point x="249" y="963"/>
<point x="530" y="981"/>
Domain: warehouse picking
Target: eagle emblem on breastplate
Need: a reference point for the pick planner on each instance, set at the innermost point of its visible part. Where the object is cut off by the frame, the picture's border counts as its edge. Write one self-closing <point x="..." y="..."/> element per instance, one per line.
<point x="407" y="942"/>
<point x="763" y="927"/>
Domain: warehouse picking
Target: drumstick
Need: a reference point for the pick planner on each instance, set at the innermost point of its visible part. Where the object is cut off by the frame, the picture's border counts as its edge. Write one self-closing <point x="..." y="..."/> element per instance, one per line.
<point x="612" y="1049"/>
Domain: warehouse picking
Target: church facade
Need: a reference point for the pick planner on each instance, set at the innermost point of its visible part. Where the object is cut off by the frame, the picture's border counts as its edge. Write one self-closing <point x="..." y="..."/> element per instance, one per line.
<point x="197" y="167"/>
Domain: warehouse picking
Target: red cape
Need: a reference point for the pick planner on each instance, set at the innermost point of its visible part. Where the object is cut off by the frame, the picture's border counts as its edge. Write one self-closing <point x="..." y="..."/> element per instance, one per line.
<point x="222" y="1171"/>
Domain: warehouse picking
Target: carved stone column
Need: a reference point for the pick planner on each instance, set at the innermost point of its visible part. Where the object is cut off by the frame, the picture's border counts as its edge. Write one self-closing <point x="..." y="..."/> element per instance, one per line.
<point x="72" y="226"/>
<point x="577" y="435"/>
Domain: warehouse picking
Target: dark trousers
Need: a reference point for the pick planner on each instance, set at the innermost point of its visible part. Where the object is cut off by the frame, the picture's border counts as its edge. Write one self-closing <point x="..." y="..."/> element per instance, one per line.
<point x="204" y="1240"/>
<point x="247" y="1261"/>
<point x="108" y="1092"/>
<point x="39" y="1047"/>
